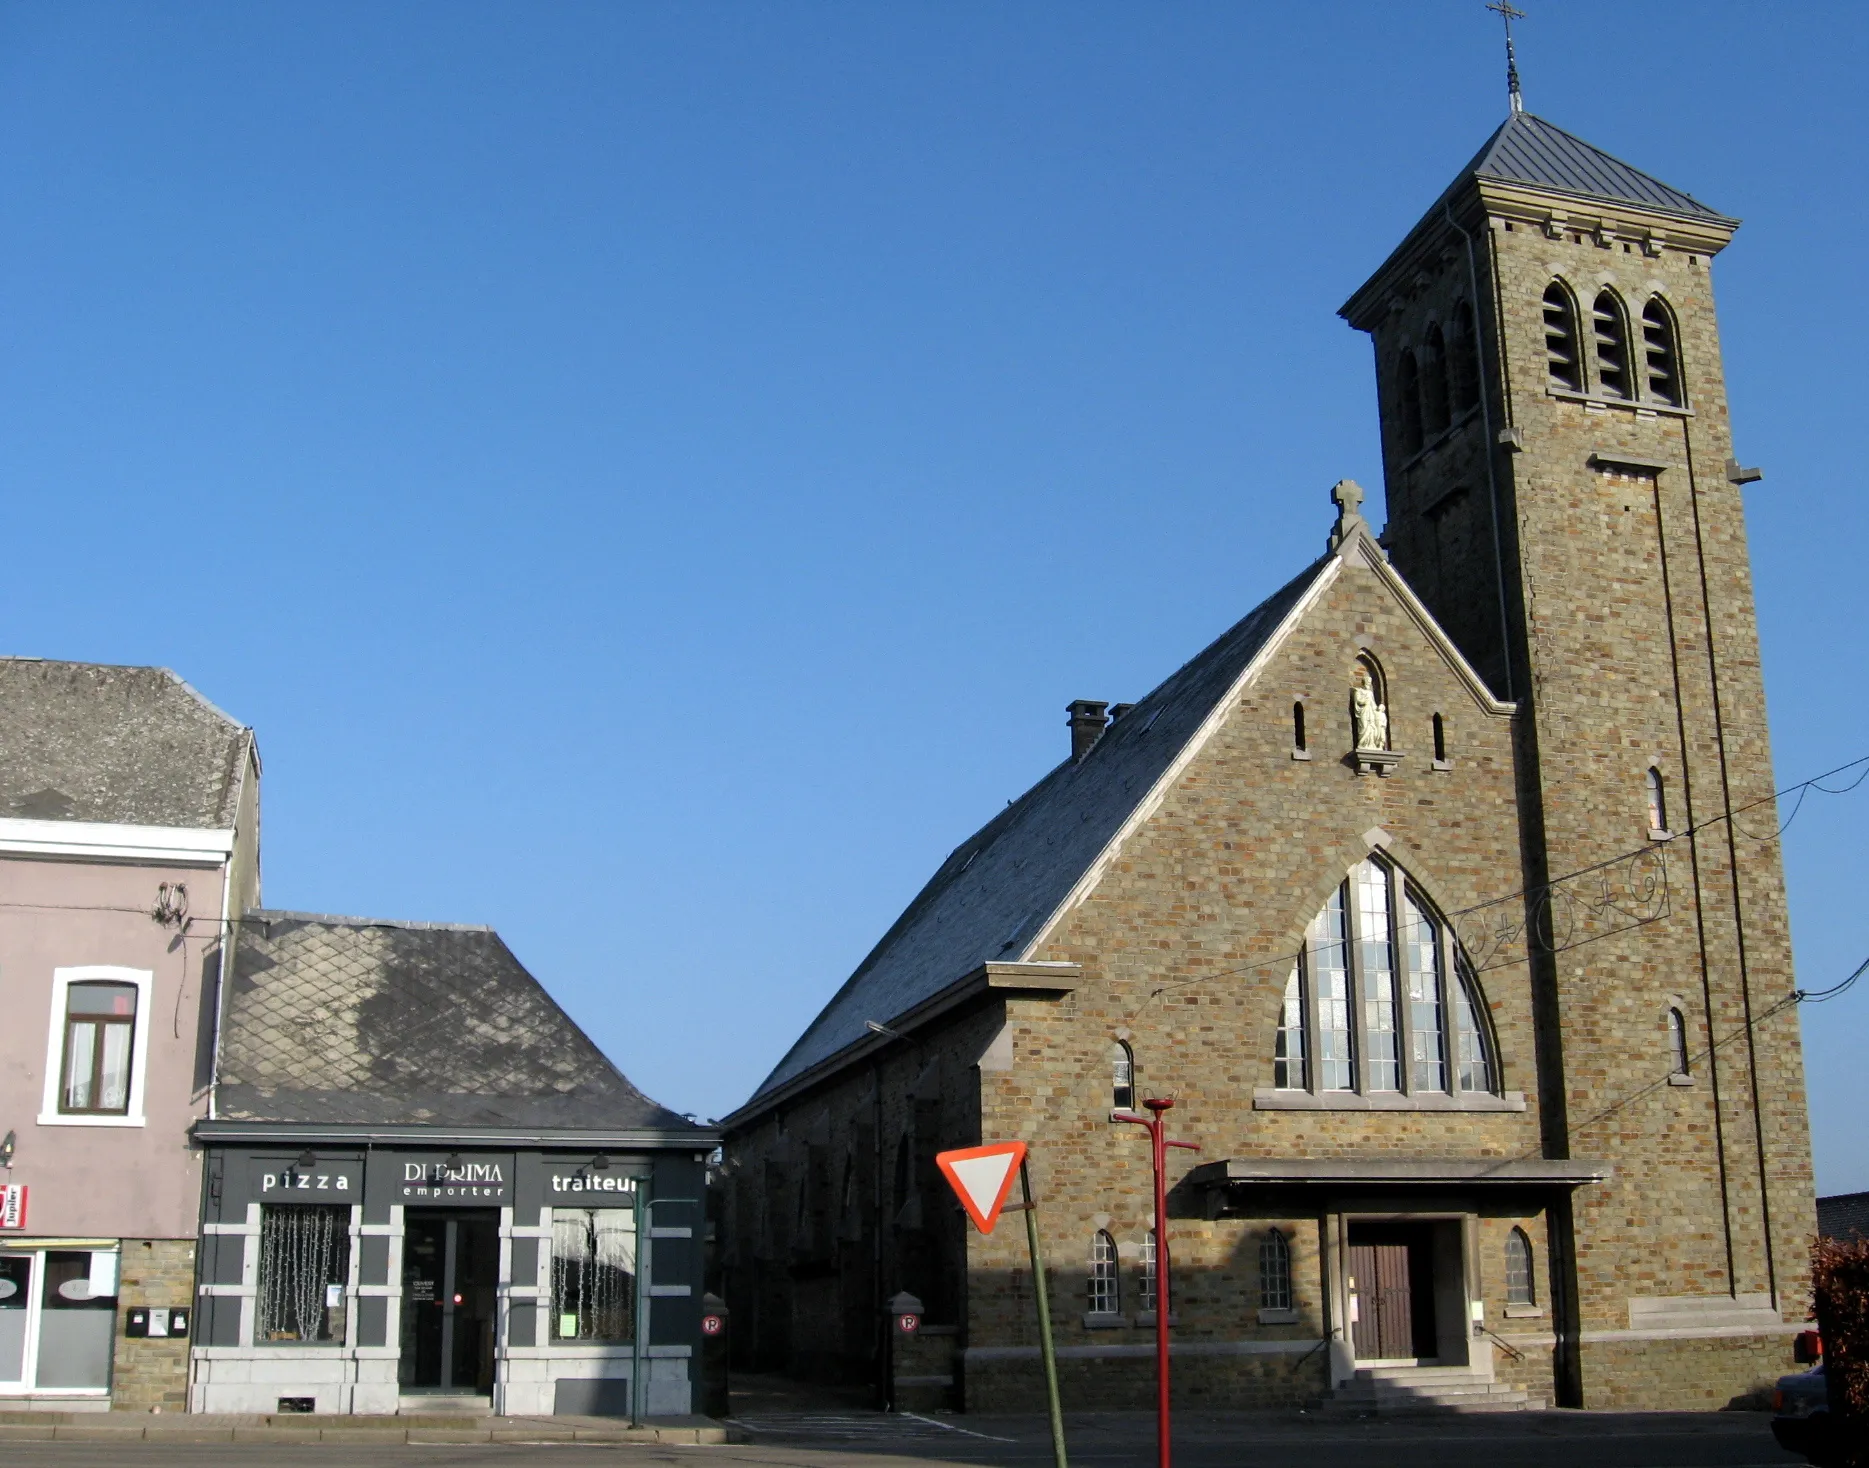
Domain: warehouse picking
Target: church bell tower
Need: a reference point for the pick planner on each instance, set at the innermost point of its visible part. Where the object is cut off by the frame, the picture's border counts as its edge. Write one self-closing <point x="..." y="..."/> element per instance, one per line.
<point x="1563" y="495"/>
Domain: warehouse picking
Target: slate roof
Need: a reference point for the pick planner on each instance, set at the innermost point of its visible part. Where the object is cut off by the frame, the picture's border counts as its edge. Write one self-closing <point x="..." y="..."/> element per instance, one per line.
<point x="350" y="1021"/>
<point x="1843" y="1215"/>
<point x="989" y="899"/>
<point x="132" y="746"/>
<point x="1529" y="150"/>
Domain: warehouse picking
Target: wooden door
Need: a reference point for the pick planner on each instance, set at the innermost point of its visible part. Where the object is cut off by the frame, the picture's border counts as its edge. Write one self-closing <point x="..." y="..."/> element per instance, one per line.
<point x="1385" y="1325"/>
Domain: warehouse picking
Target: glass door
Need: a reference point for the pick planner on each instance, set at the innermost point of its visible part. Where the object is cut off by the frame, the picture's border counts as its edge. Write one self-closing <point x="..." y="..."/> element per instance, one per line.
<point x="15" y="1308"/>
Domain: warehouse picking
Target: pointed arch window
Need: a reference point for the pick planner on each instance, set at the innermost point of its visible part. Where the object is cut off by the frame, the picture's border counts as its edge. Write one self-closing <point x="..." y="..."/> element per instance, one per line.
<point x="1463" y="368"/>
<point x="1657" y="801"/>
<point x="1409" y="393"/>
<point x="1661" y="348"/>
<point x="1122" y="1076"/>
<point x="1677" y="1041"/>
<point x="1563" y="361"/>
<point x="1275" y="1272"/>
<point x="1611" y="330"/>
<point x="1435" y="407"/>
<point x="1382" y="998"/>
<point x="1520" y="1286"/>
<point x="1105" y="1285"/>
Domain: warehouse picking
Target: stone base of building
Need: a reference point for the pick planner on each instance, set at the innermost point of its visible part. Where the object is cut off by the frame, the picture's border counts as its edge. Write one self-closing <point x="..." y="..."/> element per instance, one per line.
<point x="1732" y="1373"/>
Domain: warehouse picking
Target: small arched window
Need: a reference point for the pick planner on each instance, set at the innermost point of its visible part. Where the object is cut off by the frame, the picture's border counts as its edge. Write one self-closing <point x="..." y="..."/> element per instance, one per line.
<point x="1520" y="1287"/>
<point x="1409" y="394"/>
<point x="1677" y="1041"/>
<point x="1275" y="1272"/>
<point x="1562" y="359"/>
<point x="1148" y="1272"/>
<point x="1657" y="801"/>
<point x="1440" y="740"/>
<point x="1297" y="726"/>
<point x="1435" y="410"/>
<point x="1122" y="1076"/>
<point x="1611" y="329"/>
<point x="1105" y="1285"/>
<point x="1659" y="343"/>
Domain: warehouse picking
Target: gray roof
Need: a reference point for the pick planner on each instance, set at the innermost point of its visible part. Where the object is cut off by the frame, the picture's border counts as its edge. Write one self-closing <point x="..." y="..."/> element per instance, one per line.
<point x="134" y="746"/>
<point x="988" y="900"/>
<point x="1529" y="150"/>
<point x="1843" y="1215"/>
<point x="349" y="1021"/>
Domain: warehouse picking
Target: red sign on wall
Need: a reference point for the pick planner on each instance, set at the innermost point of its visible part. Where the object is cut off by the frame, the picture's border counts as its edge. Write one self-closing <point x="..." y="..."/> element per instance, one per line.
<point x="12" y="1205"/>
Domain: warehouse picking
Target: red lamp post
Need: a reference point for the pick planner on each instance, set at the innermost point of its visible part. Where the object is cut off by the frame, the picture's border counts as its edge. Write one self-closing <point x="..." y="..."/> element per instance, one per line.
<point x="1158" y="1148"/>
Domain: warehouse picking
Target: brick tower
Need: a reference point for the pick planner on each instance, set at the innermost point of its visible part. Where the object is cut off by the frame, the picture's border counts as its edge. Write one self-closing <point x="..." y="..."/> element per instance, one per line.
<point x="1563" y="495"/>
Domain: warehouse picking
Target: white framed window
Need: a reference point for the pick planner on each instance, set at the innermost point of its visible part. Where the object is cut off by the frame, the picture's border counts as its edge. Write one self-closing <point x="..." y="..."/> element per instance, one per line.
<point x="97" y="1046"/>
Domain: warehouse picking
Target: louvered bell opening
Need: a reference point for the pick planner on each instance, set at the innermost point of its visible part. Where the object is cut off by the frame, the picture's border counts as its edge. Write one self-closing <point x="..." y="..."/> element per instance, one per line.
<point x="1612" y="348"/>
<point x="1664" y="372"/>
<point x="1561" y="340"/>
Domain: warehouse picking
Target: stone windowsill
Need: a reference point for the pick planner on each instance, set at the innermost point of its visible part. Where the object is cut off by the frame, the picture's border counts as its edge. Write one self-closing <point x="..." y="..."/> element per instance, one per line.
<point x="1525" y="1312"/>
<point x="1145" y="1319"/>
<point x="1105" y="1320"/>
<point x="1270" y="1098"/>
<point x="1278" y="1317"/>
<point x="1597" y="400"/>
<point x="1680" y="1080"/>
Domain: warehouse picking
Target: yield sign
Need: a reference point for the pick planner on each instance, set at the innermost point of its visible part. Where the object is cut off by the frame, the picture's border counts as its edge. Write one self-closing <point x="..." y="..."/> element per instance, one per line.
<point x="982" y="1176"/>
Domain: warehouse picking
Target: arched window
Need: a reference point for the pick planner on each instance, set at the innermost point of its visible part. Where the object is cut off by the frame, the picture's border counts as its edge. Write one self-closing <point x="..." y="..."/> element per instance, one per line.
<point x="1611" y="329"/>
<point x="1520" y="1289"/>
<point x="1664" y="362"/>
<point x="1435" y="413"/>
<point x="1148" y="1272"/>
<point x="1562" y="359"/>
<point x="1409" y="394"/>
<point x="1677" y="1041"/>
<point x="1382" y="997"/>
<point x="1297" y="726"/>
<point x="1274" y="1272"/>
<point x="1657" y="801"/>
<point x="1463" y="368"/>
<point x="1105" y="1287"/>
<point x="1122" y="1076"/>
<point x="1440" y="740"/>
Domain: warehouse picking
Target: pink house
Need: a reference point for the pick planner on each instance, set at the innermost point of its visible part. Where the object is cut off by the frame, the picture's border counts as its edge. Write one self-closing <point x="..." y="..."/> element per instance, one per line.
<point x="129" y="836"/>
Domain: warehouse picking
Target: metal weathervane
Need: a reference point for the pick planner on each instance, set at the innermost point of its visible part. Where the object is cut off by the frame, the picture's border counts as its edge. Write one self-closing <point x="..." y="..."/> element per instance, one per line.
<point x="1504" y="10"/>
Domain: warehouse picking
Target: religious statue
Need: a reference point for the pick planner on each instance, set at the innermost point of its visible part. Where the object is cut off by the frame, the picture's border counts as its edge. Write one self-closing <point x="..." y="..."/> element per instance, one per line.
<point x="1372" y="719"/>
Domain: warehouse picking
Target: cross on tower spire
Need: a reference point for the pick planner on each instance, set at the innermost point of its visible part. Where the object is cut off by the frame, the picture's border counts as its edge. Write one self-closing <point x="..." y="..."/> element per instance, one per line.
<point x="1505" y="12"/>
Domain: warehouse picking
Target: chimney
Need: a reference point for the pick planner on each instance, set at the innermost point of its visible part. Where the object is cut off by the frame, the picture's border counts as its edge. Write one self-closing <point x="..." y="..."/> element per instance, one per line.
<point x="1088" y="722"/>
<point x="1118" y="710"/>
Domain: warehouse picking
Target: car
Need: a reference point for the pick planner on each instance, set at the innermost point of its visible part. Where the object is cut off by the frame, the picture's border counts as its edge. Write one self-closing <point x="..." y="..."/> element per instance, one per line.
<point x="1801" y="1414"/>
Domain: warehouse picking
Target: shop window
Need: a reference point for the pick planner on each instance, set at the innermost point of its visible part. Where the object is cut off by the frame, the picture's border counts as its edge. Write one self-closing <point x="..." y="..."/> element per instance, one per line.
<point x="1275" y="1272"/>
<point x="1105" y="1286"/>
<point x="593" y="1274"/>
<point x="100" y="1036"/>
<point x="304" y="1271"/>
<point x="1612" y="346"/>
<point x="1519" y="1283"/>
<point x="1122" y="1076"/>
<point x="1346" y="1011"/>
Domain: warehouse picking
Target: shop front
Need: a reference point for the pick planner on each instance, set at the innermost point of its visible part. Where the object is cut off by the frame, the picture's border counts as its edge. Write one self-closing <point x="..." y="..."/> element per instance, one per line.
<point x="396" y="1274"/>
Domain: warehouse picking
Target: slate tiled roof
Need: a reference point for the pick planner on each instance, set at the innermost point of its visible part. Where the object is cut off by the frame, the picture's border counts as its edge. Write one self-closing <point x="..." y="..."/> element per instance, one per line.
<point x="1843" y="1215"/>
<point x="989" y="899"/>
<point x="135" y="746"/>
<point x="1529" y="150"/>
<point x="350" y="1021"/>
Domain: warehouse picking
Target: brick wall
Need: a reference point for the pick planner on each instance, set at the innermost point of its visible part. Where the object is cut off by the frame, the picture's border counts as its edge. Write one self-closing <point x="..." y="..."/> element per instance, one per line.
<point x="152" y="1374"/>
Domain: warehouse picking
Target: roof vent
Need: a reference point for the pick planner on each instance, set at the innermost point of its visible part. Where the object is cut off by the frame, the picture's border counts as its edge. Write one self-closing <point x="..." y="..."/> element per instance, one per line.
<point x="1088" y="721"/>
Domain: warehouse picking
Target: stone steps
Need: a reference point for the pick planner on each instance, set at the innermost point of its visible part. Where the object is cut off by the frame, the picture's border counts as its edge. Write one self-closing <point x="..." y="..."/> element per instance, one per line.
<point x="1390" y="1391"/>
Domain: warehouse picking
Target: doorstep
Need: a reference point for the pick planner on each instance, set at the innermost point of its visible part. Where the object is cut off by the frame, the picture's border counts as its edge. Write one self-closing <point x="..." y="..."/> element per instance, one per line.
<point x="296" y="1427"/>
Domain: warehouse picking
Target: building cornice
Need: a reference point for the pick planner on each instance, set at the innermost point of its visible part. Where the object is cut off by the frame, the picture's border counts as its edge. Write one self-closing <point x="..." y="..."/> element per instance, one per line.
<point x="108" y="841"/>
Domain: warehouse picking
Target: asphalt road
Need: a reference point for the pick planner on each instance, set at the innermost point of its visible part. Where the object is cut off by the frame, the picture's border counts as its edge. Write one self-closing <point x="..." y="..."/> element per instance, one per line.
<point x="855" y="1439"/>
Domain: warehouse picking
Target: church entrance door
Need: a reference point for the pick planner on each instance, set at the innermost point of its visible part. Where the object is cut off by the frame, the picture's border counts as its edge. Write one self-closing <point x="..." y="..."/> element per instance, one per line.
<point x="1392" y="1280"/>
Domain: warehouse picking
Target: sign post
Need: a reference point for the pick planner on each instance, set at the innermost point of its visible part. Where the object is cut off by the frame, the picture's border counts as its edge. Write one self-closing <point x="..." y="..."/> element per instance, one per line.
<point x="982" y="1177"/>
<point x="1158" y="1150"/>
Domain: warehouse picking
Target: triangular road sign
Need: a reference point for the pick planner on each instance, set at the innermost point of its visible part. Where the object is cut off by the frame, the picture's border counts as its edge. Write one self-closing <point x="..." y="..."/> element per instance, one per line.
<point x="981" y="1177"/>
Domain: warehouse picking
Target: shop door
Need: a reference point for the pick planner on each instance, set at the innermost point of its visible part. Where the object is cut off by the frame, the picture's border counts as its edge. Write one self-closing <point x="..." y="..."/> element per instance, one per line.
<point x="1392" y="1278"/>
<point x="450" y="1284"/>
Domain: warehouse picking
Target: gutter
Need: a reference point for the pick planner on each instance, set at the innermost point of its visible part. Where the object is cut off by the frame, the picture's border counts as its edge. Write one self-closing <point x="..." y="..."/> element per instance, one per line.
<point x="366" y="1134"/>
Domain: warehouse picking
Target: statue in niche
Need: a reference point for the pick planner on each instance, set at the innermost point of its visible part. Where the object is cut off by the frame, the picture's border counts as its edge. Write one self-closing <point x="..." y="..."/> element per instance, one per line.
<point x="1372" y="719"/>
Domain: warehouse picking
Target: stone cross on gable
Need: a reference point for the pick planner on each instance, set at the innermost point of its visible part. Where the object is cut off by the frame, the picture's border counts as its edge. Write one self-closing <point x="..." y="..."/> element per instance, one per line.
<point x="1348" y="495"/>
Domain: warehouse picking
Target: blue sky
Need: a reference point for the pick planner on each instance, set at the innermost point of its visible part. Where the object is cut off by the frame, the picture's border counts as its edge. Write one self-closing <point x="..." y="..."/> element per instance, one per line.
<point x="653" y="474"/>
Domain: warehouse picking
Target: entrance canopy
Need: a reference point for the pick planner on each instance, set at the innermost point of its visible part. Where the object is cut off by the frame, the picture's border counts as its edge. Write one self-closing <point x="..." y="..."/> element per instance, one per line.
<point x="1319" y="1174"/>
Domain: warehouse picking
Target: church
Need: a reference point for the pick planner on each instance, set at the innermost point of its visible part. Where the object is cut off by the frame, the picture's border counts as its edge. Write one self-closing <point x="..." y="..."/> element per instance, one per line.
<point x="1442" y="893"/>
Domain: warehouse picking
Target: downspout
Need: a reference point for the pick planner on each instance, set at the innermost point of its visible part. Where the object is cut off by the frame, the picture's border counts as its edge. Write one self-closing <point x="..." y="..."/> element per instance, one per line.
<point x="227" y="928"/>
<point x="876" y="1241"/>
